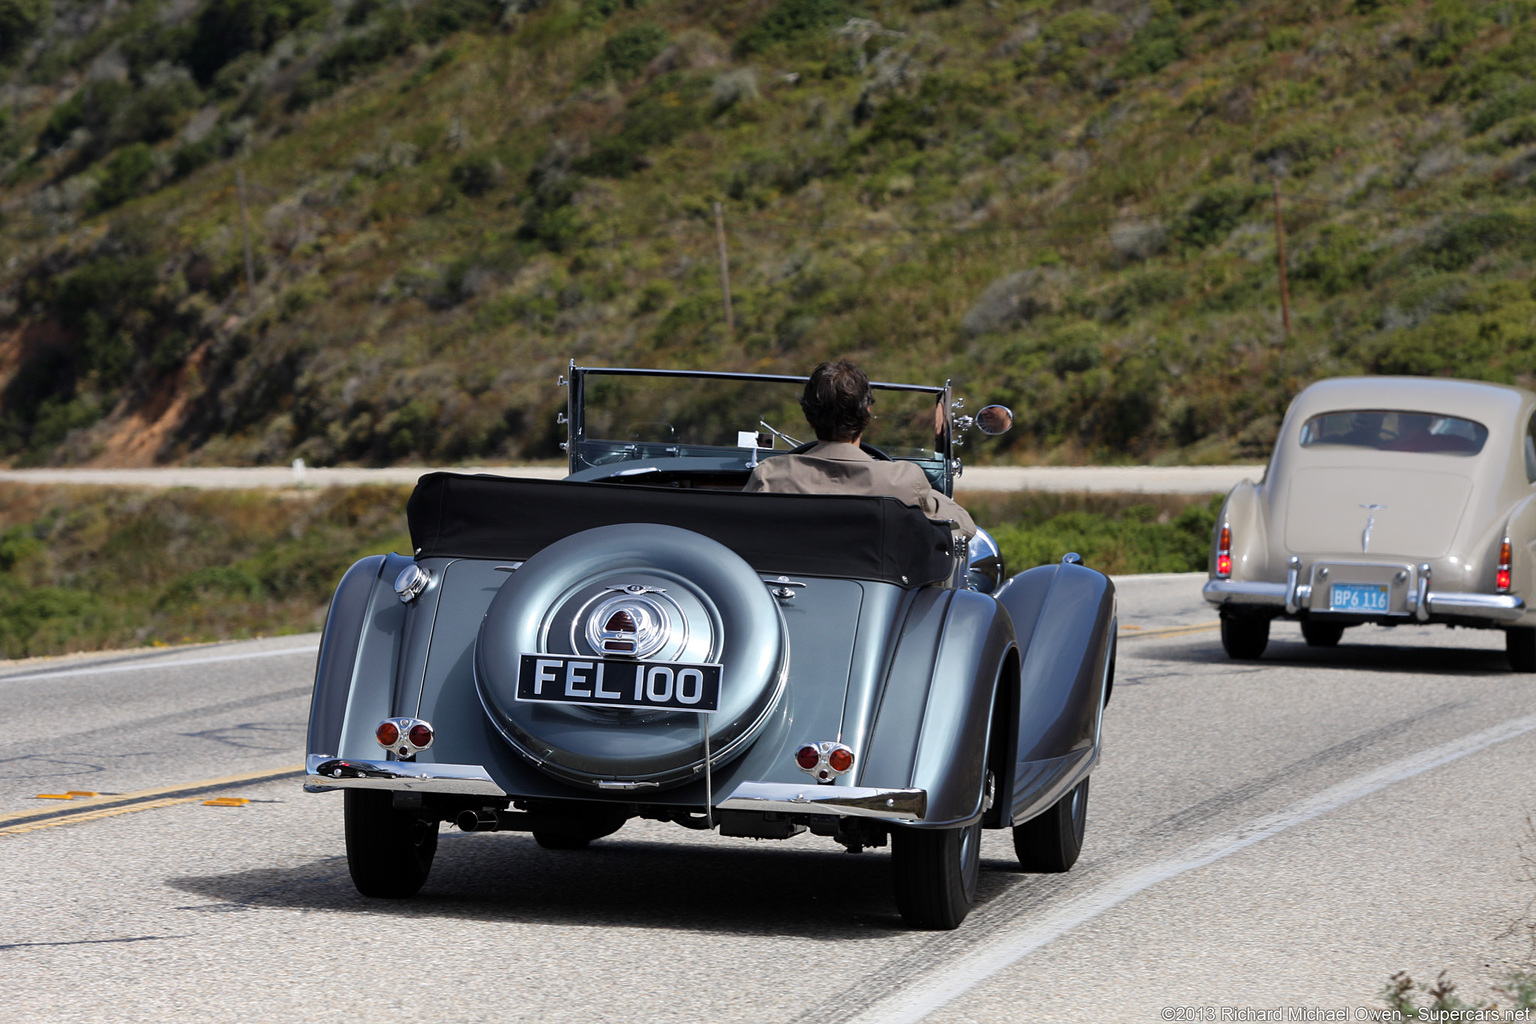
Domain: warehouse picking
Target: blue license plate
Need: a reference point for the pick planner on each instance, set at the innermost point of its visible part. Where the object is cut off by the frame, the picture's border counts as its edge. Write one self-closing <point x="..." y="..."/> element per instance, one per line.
<point x="1358" y="597"/>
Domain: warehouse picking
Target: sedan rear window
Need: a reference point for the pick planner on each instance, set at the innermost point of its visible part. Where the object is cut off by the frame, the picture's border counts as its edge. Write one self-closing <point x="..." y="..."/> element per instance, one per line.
<point x="1394" y="430"/>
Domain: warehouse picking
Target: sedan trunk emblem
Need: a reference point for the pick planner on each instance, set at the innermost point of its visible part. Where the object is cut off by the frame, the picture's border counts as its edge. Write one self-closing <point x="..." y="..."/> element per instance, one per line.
<point x="1365" y="537"/>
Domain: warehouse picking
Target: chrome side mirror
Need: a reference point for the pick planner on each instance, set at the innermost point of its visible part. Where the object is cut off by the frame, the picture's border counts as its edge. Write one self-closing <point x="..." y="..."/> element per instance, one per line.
<point x="994" y="419"/>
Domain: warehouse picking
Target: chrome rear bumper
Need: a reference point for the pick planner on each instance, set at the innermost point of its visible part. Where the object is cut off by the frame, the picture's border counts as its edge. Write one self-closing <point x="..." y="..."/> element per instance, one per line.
<point x="848" y="801"/>
<point x="1498" y="607"/>
<point x="1244" y="592"/>
<point x="326" y="773"/>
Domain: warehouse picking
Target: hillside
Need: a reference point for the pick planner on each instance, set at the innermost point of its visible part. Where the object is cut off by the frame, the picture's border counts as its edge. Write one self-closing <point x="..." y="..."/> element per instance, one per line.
<point x="1066" y="207"/>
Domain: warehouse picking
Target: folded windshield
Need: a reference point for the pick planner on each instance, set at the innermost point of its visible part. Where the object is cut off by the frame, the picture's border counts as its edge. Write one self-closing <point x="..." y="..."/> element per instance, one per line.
<point x="1394" y="430"/>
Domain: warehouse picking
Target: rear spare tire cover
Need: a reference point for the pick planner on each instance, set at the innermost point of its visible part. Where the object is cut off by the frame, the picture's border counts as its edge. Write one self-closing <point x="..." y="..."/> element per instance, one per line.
<point x="694" y="602"/>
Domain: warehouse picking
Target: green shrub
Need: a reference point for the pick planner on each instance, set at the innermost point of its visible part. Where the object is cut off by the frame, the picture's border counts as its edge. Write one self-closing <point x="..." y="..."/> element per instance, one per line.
<point x="1131" y="542"/>
<point x="626" y="53"/>
<point x="1512" y="102"/>
<point x="1338" y="261"/>
<point x="92" y="107"/>
<point x="1215" y="213"/>
<point x="1465" y="239"/>
<point x="124" y="176"/>
<point x="669" y="107"/>
<point x="48" y="620"/>
<point x="19" y="22"/>
<point x="1299" y="149"/>
<point x="790" y="21"/>
<point x="17" y="545"/>
<point x="441" y="18"/>
<point x="595" y="12"/>
<point x="476" y="174"/>
<point x="1157" y="44"/>
<point x="225" y="29"/>
<point x="156" y="111"/>
<point x="216" y="582"/>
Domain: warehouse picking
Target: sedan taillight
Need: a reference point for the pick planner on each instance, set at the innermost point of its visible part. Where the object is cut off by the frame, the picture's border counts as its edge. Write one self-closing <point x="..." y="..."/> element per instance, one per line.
<point x="1224" y="553"/>
<point x="1501" y="578"/>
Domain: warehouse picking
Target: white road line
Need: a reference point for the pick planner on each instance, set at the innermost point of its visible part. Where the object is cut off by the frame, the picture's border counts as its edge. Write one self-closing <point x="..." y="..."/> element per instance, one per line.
<point x="943" y="986"/>
<point x="144" y="666"/>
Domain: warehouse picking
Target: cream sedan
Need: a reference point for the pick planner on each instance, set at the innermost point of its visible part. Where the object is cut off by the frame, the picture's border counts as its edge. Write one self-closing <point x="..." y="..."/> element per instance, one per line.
<point x="1392" y="500"/>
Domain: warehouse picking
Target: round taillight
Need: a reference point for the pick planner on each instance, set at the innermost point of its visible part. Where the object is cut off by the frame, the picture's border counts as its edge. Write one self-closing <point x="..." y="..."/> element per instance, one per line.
<point x="388" y="734"/>
<point x="808" y="757"/>
<point x="841" y="759"/>
<point x="420" y="735"/>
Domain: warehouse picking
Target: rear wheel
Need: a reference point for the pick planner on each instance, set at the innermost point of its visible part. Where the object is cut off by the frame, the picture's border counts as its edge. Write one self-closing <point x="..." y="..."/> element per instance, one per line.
<point x="1244" y="638"/>
<point x="1321" y="634"/>
<point x="389" y="852"/>
<point x="936" y="872"/>
<point x="1520" y="647"/>
<point x="1050" y="843"/>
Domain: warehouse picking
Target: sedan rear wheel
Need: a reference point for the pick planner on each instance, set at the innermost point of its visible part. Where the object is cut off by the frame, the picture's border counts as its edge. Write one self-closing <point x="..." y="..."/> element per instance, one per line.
<point x="1050" y="843"/>
<point x="1322" y="634"/>
<point x="1244" y="638"/>
<point x="389" y="852"/>
<point x="936" y="872"/>
<point x="1520" y="647"/>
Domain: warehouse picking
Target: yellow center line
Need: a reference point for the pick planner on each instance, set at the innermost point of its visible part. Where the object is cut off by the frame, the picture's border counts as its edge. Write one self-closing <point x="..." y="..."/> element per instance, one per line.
<point x="96" y="815"/>
<point x="144" y="799"/>
<point x="1170" y="631"/>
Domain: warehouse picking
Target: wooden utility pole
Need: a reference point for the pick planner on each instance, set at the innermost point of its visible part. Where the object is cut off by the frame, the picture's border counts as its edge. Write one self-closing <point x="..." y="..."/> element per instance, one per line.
<point x="245" y="238"/>
<point x="725" y="269"/>
<point x="1285" y="288"/>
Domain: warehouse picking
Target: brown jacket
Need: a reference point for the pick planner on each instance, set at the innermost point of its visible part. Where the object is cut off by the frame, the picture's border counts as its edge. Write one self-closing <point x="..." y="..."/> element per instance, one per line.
<point x="836" y="467"/>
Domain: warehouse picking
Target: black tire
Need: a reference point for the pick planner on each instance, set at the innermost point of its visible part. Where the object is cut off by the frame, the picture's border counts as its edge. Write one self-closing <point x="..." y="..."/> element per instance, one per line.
<point x="1322" y="634"/>
<point x="1050" y="842"/>
<point x="1520" y="647"/>
<point x="389" y="852"/>
<point x="1244" y="638"/>
<point x="935" y="872"/>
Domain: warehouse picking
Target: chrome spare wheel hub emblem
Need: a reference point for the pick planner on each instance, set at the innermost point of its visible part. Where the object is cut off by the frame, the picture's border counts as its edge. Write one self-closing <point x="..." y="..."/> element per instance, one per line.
<point x="631" y="624"/>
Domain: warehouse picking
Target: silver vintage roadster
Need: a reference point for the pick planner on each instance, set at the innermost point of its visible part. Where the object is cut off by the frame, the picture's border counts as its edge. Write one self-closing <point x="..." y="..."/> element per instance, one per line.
<point x="643" y="639"/>
<point x="1390" y="500"/>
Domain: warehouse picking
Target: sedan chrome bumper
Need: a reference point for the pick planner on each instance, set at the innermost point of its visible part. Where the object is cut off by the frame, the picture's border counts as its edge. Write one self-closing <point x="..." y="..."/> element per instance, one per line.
<point x="326" y="773"/>
<point x="1498" y="607"/>
<point x="847" y="801"/>
<point x="1502" y="607"/>
<point x="1245" y="592"/>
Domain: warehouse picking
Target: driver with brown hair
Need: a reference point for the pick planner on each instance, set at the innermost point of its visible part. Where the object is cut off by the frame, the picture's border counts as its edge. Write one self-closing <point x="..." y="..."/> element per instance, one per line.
<point x="837" y="403"/>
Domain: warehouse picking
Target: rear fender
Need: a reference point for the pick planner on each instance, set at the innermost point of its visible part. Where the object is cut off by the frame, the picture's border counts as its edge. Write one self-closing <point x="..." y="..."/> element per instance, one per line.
<point x="1250" y="540"/>
<point x="1063" y="616"/>
<point x="359" y="660"/>
<point x="930" y="730"/>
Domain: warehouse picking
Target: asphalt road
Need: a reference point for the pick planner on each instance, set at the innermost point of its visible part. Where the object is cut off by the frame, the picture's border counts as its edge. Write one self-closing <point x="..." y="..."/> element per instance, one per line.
<point x="1287" y="833"/>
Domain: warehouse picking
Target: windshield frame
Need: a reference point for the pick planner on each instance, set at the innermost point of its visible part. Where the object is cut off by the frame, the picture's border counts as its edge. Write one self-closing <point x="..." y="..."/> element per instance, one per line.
<point x="938" y="469"/>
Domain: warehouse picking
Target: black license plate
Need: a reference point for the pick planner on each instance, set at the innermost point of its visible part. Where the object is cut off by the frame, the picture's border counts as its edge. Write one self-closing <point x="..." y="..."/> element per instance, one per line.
<point x="607" y="683"/>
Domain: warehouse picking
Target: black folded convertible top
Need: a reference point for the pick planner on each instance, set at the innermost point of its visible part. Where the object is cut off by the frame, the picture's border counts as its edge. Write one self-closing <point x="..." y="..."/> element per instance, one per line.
<point x="868" y="538"/>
